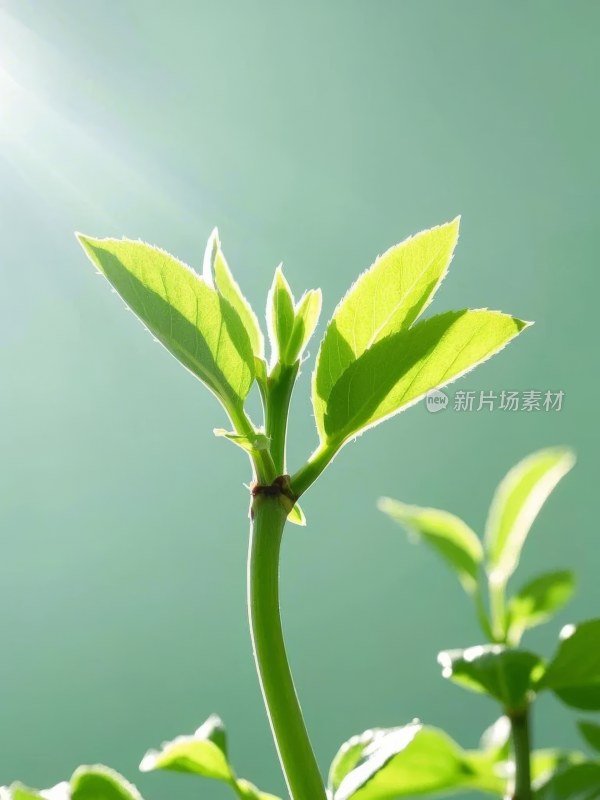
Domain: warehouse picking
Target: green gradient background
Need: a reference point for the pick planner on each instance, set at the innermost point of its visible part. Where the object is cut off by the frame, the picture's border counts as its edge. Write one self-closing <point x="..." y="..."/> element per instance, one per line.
<point x="317" y="133"/>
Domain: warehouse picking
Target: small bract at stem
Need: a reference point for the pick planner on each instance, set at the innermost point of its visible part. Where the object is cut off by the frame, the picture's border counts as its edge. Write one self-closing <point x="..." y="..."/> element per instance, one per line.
<point x="270" y="507"/>
<point x="262" y="461"/>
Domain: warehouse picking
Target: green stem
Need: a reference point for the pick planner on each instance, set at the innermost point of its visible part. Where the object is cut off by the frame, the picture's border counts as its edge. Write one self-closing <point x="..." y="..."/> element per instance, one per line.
<point x="482" y="616"/>
<point x="285" y="716"/>
<point x="498" y="610"/>
<point x="519" y="721"/>
<point x="279" y="395"/>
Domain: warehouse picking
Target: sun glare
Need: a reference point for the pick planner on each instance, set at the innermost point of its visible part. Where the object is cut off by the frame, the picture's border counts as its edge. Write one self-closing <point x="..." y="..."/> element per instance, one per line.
<point x="62" y="149"/>
<point x="10" y="100"/>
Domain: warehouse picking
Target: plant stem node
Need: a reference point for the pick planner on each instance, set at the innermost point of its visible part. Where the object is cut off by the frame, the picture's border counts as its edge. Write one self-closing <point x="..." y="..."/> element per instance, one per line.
<point x="281" y="488"/>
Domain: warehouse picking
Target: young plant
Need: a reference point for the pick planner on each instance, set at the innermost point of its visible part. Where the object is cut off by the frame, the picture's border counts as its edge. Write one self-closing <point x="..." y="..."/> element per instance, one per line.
<point x="376" y="359"/>
<point x="500" y="669"/>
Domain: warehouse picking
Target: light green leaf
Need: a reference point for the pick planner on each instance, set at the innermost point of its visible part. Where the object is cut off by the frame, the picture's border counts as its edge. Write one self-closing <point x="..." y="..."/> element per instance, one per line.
<point x="101" y="783"/>
<point x="196" y="324"/>
<point x="399" y="370"/>
<point x="249" y="792"/>
<point x="575" y="782"/>
<point x="251" y="443"/>
<point x="384" y="764"/>
<point x="590" y="732"/>
<point x="296" y="516"/>
<point x="352" y="752"/>
<point x="87" y="783"/>
<point x="307" y="312"/>
<point x="280" y="315"/>
<point x="204" y="753"/>
<point x="504" y="674"/>
<point x="574" y="672"/>
<point x="516" y="504"/>
<point x="453" y="539"/>
<point x="385" y="299"/>
<point x="19" y="792"/>
<point x="362" y="756"/>
<point x="260" y="368"/>
<point x="217" y="274"/>
<point x="537" y="601"/>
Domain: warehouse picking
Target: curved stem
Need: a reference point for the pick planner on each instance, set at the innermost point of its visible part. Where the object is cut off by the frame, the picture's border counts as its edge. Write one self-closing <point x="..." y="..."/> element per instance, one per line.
<point x="482" y="616"/>
<point x="519" y="721"/>
<point x="498" y="610"/>
<point x="285" y="716"/>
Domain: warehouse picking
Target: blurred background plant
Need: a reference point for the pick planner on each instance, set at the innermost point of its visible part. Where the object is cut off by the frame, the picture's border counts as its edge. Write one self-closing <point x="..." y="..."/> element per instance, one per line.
<point x="500" y="669"/>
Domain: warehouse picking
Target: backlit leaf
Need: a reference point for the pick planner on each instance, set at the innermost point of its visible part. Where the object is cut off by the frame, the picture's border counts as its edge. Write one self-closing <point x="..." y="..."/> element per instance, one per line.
<point x="87" y="783"/>
<point x="101" y="783"/>
<point x="537" y="601"/>
<point x="296" y="516"/>
<point x="352" y="752"/>
<point x="280" y="315"/>
<point x="248" y="791"/>
<point x="574" y="672"/>
<point x="203" y="753"/>
<point x="363" y="756"/>
<point x="307" y="312"/>
<point x="516" y="504"/>
<point x="504" y="674"/>
<point x="590" y="732"/>
<point x="196" y="324"/>
<point x="399" y="370"/>
<point x="216" y="273"/>
<point x="453" y="539"/>
<point x="383" y="764"/>
<point x="17" y="791"/>
<point x="385" y="299"/>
